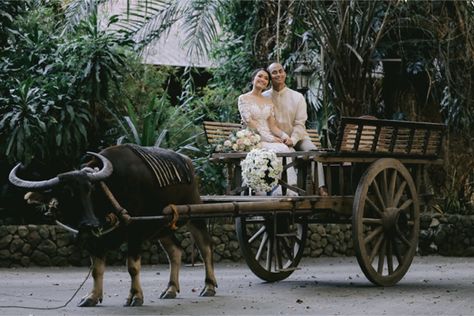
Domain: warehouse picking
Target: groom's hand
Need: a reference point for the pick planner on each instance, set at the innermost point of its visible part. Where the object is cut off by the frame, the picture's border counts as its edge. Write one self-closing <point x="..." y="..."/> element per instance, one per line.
<point x="288" y="142"/>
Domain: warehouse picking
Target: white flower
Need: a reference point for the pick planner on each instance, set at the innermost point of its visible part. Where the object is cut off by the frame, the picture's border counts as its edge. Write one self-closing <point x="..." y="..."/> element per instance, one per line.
<point x="243" y="140"/>
<point x="261" y="169"/>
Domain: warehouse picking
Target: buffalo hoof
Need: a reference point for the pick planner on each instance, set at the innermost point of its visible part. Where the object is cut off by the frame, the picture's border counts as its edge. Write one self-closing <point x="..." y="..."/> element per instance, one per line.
<point x="134" y="302"/>
<point x="168" y="294"/>
<point x="206" y="292"/>
<point x="88" y="302"/>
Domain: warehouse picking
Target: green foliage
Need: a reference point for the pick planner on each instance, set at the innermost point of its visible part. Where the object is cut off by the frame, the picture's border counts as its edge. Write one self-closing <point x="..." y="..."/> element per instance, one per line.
<point x="96" y="58"/>
<point x="348" y="33"/>
<point x="41" y="114"/>
<point x="8" y="11"/>
<point x="219" y="103"/>
<point x="55" y="85"/>
<point x="160" y="125"/>
<point x="459" y="192"/>
<point x="141" y="84"/>
<point x="459" y="116"/>
<point x="144" y="113"/>
<point x="211" y="175"/>
<point x="22" y="123"/>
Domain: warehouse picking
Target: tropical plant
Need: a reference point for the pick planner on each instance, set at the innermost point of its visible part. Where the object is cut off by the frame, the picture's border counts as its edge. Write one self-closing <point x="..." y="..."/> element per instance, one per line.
<point x="73" y="73"/>
<point x="23" y="122"/>
<point x="211" y="176"/>
<point x="148" y="20"/>
<point x="98" y="58"/>
<point x="161" y="125"/>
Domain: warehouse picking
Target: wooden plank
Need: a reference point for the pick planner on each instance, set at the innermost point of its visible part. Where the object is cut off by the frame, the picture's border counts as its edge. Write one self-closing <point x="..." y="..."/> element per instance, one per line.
<point x="216" y="132"/>
<point x="314" y="136"/>
<point x="416" y="139"/>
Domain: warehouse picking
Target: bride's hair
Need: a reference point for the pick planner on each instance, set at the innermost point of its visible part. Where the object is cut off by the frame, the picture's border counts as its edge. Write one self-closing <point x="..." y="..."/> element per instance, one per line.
<point x="256" y="71"/>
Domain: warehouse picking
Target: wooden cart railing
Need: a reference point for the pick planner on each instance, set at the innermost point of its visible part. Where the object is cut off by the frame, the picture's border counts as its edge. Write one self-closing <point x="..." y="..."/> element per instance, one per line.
<point x="376" y="177"/>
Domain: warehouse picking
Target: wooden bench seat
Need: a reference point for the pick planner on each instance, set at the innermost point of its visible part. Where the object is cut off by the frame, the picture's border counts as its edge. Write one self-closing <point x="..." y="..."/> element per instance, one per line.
<point x="217" y="132"/>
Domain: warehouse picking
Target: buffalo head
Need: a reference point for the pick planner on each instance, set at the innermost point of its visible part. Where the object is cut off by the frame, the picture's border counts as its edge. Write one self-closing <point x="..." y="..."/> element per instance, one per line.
<point x="72" y="190"/>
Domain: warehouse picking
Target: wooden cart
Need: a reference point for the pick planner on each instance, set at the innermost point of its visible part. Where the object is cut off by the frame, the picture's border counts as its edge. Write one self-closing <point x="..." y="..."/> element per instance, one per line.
<point x="376" y="178"/>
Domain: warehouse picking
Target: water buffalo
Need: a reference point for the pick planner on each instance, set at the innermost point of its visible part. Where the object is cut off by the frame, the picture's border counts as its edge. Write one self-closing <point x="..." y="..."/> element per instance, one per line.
<point x="142" y="181"/>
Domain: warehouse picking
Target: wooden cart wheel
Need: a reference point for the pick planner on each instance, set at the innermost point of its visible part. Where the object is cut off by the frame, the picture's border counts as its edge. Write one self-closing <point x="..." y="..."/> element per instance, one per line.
<point x="272" y="249"/>
<point x="385" y="221"/>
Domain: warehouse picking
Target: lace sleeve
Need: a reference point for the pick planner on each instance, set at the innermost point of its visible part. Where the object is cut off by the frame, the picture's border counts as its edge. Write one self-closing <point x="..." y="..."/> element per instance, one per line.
<point x="244" y="111"/>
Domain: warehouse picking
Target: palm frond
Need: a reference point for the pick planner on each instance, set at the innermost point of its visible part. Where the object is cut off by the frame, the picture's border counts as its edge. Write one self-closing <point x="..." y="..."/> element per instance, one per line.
<point x="200" y="26"/>
<point x="146" y="21"/>
<point x="79" y="10"/>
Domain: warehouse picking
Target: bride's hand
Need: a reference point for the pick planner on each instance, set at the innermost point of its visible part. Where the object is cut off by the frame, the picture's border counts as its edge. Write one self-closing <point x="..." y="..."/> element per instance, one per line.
<point x="278" y="139"/>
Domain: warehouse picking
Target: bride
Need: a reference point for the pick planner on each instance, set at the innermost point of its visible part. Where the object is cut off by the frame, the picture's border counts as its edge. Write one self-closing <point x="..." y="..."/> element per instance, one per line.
<point x="257" y="113"/>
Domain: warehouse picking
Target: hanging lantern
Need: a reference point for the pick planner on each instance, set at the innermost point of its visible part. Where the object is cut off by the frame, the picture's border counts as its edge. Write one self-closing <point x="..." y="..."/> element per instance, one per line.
<point x="302" y="73"/>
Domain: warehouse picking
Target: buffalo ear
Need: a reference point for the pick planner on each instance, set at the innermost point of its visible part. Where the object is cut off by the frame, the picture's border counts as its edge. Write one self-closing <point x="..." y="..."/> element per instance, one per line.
<point x="34" y="198"/>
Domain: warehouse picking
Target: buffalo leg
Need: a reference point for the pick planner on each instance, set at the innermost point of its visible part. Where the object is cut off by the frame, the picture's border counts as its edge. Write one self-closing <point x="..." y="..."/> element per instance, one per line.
<point x="135" y="296"/>
<point x="170" y="245"/>
<point x="95" y="296"/>
<point x="204" y="243"/>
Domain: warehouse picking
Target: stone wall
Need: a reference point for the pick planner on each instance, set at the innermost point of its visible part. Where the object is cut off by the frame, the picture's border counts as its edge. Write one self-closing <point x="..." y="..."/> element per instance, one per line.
<point x="447" y="235"/>
<point x="45" y="245"/>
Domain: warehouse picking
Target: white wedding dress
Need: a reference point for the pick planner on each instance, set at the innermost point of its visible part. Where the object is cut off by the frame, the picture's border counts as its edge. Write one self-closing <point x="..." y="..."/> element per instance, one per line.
<point x="260" y="114"/>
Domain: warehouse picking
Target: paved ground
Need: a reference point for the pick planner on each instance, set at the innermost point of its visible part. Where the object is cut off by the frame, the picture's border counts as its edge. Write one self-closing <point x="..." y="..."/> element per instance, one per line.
<point x="324" y="286"/>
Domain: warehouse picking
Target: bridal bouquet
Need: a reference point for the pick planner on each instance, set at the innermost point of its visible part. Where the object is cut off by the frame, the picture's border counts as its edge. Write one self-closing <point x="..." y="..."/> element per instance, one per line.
<point x="261" y="170"/>
<point x="243" y="140"/>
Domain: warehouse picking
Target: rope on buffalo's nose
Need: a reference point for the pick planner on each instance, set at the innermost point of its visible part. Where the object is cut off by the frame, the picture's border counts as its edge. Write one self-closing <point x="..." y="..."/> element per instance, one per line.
<point x="175" y="217"/>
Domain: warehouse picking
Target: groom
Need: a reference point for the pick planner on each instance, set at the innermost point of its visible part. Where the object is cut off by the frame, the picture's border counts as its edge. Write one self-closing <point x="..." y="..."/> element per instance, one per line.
<point x="291" y="116"/>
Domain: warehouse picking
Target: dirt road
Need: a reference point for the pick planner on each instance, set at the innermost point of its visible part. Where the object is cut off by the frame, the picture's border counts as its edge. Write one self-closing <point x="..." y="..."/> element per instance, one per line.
<point x="324" y="286"/>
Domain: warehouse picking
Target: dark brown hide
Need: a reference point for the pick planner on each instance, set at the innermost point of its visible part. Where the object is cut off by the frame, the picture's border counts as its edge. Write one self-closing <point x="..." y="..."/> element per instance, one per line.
<point x="136" y="187"/>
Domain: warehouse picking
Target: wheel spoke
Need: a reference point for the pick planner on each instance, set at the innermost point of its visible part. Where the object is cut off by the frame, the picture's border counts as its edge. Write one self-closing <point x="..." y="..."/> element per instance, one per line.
<point x="391" y="189"/>
<point x="399" y="194"/>
<point x="406" y="204"/>
<point x="373" y="234"/>
<point x="257" y="234"/>
<point x="374" y="207"/>
<point x="385" y="187"/>
<point x="389" y="257"/>
<point x="376" y="248"/>
<point x="404" y="240"/>
<point x="269" y="254"/>
<point x="261" y="246"/>
<point x="372" y="221"/>
<point x="381" y="259"/>
<point x="377" y="192"/>
<point x="397" y="251"/>
<point x="286" y="247"/>
<point x="278" y="255"/>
